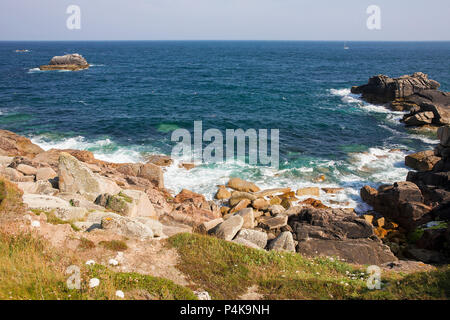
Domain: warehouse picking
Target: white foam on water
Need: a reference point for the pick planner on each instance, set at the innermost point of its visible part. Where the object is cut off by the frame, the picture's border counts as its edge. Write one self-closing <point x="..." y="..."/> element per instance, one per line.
<point x="103" y="149"/>
<point x="33" y="70"/>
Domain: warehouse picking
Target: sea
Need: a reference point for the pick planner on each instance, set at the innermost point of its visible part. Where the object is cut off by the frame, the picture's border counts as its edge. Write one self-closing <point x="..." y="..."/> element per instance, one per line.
<point x="136" y="93"/>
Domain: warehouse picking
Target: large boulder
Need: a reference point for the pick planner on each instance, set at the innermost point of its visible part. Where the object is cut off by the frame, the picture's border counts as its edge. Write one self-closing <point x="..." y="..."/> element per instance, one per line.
<point x="284" y="242"/>
<point x="329" y="224"/>
<point x="359" y="251"/>
<point x="259" y="238"/>
<point x="193" y="209"/>
<point x="402" y="202"/>
<point x="126" y="226"/>
<point x="131" y="203"/>
<point x="383" y="89"/>
<point x="228" y="229"/>
<point x="242" y="185"/>
<point x="422" y="161"/>
<point x="61" y="208"/>
<point x="12" y="144"/>
<point x="76" y="177"/>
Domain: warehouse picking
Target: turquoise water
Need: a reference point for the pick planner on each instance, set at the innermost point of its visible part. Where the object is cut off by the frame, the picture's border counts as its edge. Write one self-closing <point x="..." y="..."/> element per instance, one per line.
<point x="136" y="93"/>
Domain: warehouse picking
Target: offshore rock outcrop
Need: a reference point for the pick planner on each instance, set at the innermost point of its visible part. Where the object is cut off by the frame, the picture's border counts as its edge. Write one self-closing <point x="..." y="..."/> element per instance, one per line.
<point x="415" y="93"/>
<point x="72" y="62"/>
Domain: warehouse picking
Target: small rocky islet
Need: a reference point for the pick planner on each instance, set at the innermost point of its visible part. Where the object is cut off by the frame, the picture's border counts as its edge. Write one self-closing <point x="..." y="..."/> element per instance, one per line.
<point x="408" y="223"/>
<point x="70" y="62"/>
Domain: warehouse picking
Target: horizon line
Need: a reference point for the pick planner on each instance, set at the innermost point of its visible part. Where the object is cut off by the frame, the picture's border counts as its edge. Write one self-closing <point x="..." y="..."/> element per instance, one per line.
<point x="217" y="40"/>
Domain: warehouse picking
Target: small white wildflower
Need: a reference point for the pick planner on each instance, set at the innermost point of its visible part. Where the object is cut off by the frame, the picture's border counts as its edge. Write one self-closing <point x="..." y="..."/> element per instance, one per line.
<point x="120" y="294"/>
<point x="94" y="282"/>
<point x="90" y="262"/>
<point x="113" y="262"/>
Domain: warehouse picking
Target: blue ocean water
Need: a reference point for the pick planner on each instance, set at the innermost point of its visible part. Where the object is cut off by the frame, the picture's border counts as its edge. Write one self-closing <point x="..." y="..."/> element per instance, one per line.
<point x="135" y="93"/>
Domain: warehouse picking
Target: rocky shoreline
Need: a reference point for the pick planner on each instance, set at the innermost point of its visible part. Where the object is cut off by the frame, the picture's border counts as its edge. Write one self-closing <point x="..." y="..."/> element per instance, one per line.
<point x="130" y="200"/>
<point x="408" y="223"/>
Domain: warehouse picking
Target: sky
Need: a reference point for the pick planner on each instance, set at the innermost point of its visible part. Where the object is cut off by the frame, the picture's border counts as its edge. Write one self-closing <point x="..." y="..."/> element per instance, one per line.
<point x="401" y="20"/>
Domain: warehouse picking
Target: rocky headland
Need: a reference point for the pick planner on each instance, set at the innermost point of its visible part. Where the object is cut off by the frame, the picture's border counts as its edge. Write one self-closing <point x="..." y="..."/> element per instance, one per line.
<point x="416" y="93"/>
<point x="417" y="209"/>
<point x="71" y="62"/>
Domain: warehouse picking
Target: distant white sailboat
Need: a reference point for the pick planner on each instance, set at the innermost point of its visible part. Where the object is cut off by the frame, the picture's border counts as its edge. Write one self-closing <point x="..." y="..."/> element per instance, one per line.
<point x="345" y="46"/>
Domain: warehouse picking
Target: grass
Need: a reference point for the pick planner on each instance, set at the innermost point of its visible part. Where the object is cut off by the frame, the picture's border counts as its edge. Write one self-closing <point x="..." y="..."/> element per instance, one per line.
<point x="86" y="244"/>
<point x="226" y="270"/>
<point x="10" y="199"/>
<point x="29" y="270"/>
<point x="114" y="245"/>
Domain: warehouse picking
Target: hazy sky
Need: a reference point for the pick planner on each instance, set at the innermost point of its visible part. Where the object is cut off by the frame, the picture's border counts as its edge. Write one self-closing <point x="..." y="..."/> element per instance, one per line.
<point x="224" y="20"/>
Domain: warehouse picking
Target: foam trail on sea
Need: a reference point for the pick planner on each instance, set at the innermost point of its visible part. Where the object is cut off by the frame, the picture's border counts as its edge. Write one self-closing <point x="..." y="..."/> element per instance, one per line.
<point x="103" y="149"/>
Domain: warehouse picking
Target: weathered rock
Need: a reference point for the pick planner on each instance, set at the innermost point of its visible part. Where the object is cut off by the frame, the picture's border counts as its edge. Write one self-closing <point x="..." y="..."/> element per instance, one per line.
<point x="258" y="238"/>
<point x="61" y="208"/>
<point x="275" y="222"/>
<point x="5" y="161"/>
<point x="276" y="209"/>
<point x="222" y="193"/>
<point x="314" y="203"/>
<point x="360" y="251"/>
<point x="26" y="169"/>
<point x="248" y="216"/>
<point x="382" y="89"/>
<point x="424" y="255"/>
<point x="71" y="62"/>
<point x="242" y="204"/>
<point x="242" y="185"/>
<point x="419" y="119"/>
<point x="12" y="144"/>
<point x="260" y="204"/>
<point x="271" y="192"/>
<point x="187" y="166"/>
<point x="207" y="226"/>
<point x="401" y="202"/>
<point x="152" y="173"/>
<point x="192" y="208"/>
<point x="228" y="229"/>
<point x="329" y="224"/>
<point x="125" y="226"/>
<point x="443" y="134"/>
<point x="76" y="177"/>
<point x="156" y="226"/>
<point x="140" y="205"/>
<point x="51" y="157"/>
<point x="160" y="160"/>
<point x="132" y="203"/>
<point x="45" y="173"/>
<point x="311" y="191"/>
<point x="332" y="190"/>
<point x="422" y="161"/>
<point x="38" y="187"/>
<point x="284" y="242"/>
<point x="190" y="196"/>
<point x="12" y="174"/>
